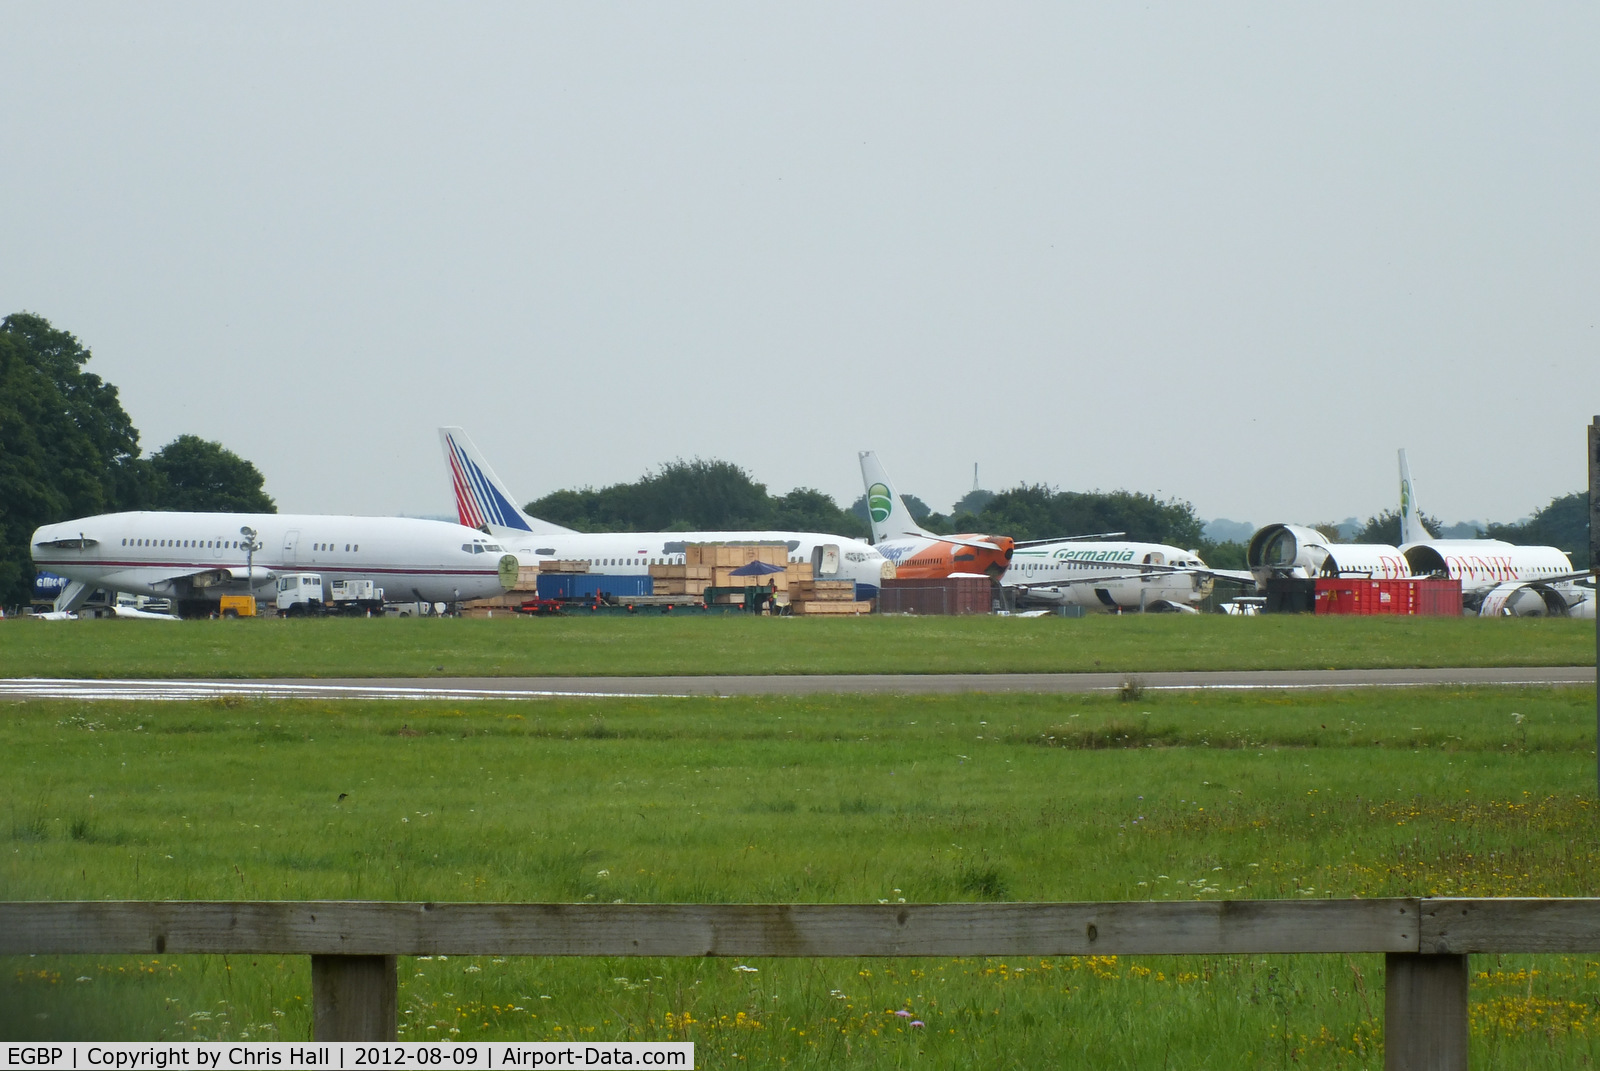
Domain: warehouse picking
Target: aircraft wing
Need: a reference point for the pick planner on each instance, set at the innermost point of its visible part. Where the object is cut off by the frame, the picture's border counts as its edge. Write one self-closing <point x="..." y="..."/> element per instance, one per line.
<point x="1141" y="571"/>
<point x="142" y="577"/>
<point x="980" y="544"/>
<point x="1068" y="539"/>
<point x="1067" y="582"/>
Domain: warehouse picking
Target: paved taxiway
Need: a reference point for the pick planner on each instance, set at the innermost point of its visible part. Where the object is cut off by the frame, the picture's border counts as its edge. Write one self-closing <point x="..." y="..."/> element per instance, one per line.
<point x="468" y="688"/>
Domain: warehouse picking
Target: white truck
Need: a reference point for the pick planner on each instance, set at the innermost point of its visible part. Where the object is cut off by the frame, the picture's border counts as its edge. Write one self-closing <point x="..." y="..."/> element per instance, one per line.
<point x="302" y="593"/>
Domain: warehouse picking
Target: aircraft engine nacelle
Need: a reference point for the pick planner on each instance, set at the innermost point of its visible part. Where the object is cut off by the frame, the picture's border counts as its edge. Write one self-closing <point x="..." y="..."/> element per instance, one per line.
<point x="1286" y="550"/>
<point x="1291" y="550"/>
<point x="1522" y="600"/>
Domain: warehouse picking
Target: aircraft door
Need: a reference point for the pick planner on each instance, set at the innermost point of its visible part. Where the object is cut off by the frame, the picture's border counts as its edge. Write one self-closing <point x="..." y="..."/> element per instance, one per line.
<point x="825" y="560"/>
<point x="291" y="546"/>
<point x="216" y="547"/>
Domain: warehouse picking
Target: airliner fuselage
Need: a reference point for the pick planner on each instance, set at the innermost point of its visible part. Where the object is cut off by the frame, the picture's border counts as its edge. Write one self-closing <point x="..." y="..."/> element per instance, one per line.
<point x="188" y="556"/>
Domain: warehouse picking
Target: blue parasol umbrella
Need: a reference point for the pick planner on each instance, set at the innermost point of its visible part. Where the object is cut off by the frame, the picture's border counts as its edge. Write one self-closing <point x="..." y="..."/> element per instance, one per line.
<point x="756" y="569"/>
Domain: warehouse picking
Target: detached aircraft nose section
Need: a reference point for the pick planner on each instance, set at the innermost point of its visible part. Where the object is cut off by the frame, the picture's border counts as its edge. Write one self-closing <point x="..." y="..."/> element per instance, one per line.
<point x="1286" y="550"/>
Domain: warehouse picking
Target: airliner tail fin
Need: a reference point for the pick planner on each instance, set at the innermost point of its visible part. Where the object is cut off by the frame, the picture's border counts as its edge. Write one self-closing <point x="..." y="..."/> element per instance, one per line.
<point x="888" y="513"/>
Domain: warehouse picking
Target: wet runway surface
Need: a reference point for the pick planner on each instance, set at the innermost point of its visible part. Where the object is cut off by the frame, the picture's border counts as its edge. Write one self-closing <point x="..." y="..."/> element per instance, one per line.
<point x="456" y="689"/>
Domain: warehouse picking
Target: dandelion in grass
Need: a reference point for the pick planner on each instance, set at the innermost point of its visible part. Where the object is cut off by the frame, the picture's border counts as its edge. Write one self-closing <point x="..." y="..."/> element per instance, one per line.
<point x="746" y="969"/>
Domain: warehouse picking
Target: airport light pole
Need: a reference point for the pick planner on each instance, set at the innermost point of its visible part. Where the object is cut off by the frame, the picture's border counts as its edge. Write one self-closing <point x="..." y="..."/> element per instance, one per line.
<point x="250" y="548"/>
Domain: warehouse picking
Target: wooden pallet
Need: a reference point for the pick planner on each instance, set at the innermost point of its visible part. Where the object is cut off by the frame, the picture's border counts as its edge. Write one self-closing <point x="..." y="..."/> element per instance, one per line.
<point x="820" y="606"/>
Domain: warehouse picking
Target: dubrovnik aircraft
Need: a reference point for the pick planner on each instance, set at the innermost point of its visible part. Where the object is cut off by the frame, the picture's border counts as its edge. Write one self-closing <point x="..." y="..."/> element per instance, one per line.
<point x="482" y="502"/>
<point x="917" y="552"/>
<point x="1497" y="578"/>
<point x="194" y="558"/>
<point x="1293" y="550"/>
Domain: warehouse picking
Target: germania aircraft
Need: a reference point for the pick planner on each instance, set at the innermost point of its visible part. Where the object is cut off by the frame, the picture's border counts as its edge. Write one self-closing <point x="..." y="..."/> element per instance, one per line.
<point x="1497" y="578"/>
<point x="194" y="558"/>
<point x="1109" y="575"/>
<point x="482" y="502"/>
<point x="917" y="552"/>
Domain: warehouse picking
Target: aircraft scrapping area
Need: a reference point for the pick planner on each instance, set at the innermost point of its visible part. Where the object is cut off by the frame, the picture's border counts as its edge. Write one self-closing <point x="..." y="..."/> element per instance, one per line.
<point x="1497" y="578"/>
<point x="483" y="502"/>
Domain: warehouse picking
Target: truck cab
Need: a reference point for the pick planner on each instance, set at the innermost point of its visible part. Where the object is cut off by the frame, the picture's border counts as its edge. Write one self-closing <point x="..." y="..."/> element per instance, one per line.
<point x="300" y="593"/>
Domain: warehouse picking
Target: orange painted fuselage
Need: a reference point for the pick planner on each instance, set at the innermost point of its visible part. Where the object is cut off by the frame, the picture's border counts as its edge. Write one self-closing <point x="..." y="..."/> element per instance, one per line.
<point x="934" y="558"/>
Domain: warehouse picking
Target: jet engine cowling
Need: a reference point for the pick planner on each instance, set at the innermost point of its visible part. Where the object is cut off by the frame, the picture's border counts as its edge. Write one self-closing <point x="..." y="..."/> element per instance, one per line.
<point x="1514" y="599"/>
<point x="1292" y="550"/>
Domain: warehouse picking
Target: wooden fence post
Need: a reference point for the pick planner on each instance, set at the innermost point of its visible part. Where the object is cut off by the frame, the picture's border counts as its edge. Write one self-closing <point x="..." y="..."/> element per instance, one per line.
<point x="354" y="998"/>
<point x="1594" y="553"/>
<point x="1425" y="1012"/>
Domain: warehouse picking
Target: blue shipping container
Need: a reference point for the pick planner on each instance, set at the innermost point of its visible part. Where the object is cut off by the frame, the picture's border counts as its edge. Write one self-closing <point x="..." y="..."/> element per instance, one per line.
<point x="584" y="585"/>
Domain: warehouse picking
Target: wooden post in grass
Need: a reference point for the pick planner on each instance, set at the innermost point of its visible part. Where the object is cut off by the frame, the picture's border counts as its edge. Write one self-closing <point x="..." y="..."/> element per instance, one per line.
<point x="354" y="998"/>
<point x="1425" y="1012"/>
<point x="1594" y="565"/>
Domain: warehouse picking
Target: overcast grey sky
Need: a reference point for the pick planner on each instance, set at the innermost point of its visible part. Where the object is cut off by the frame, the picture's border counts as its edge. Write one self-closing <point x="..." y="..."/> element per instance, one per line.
<point x="1231" y="253"/>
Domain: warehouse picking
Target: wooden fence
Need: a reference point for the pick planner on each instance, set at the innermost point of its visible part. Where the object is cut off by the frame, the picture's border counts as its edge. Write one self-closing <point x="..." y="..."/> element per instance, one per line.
<point x="353" y="944"/>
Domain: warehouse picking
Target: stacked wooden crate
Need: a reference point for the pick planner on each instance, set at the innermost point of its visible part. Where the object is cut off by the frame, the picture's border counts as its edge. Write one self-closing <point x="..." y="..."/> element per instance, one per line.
<point x="719" y="560"/>
<point x="826" y="597"/>
<point x="563" y="565"/>
<point x="679" y="579"/>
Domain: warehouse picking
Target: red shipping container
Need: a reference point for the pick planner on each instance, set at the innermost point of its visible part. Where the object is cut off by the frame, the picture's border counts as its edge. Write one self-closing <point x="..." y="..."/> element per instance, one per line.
<point x="936" y="595"/>
<point x="1414" y="598"/>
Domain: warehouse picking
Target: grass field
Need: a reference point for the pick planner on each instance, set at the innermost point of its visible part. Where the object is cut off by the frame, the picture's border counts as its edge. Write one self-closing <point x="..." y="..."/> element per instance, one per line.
<point x="737" y="644"/>
<point x="833" y="799"/>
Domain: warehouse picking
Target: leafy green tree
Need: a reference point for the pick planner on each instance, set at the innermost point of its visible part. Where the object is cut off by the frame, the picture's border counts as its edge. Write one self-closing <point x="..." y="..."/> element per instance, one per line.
<point x="1385" y="528"/>
<point x="191" y="473"/>
<point x="701" y="495"/>
<point x="67" y="448"/>
<point x="972" y="502"/>
<point x="1227" y="554"/>
<point x="806" y="509"/>
<point x="1035" y="511"/>
<point x="1563" y="524"/>
<point x="698" y="495"/>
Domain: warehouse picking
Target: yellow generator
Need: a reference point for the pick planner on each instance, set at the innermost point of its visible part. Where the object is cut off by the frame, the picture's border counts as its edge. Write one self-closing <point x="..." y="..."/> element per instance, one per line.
<point x="238" y="606"/>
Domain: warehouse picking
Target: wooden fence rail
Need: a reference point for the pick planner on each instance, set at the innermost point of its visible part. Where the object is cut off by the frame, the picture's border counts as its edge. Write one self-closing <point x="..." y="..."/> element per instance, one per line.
<point x="353" y="944"/>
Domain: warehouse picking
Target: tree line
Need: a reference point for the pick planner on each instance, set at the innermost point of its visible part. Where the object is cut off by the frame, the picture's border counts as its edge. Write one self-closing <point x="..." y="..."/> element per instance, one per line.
<point x="702" y="495"/>
<point x="68" y="449"/>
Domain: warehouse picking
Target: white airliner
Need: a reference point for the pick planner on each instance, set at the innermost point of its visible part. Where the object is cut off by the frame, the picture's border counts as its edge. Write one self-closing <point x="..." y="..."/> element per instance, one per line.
<point x="1111" y="575"/>
<point x="482" y="502"/>
<point x="1091" y="572"/>
<point x="1497" y="578"/>
<point x="194" y="558"/>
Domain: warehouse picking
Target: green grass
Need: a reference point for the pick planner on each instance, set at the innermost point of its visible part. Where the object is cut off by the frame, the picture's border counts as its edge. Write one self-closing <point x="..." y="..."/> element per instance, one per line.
<point x="736" y="644"/>
<point x="831" y="799"/>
